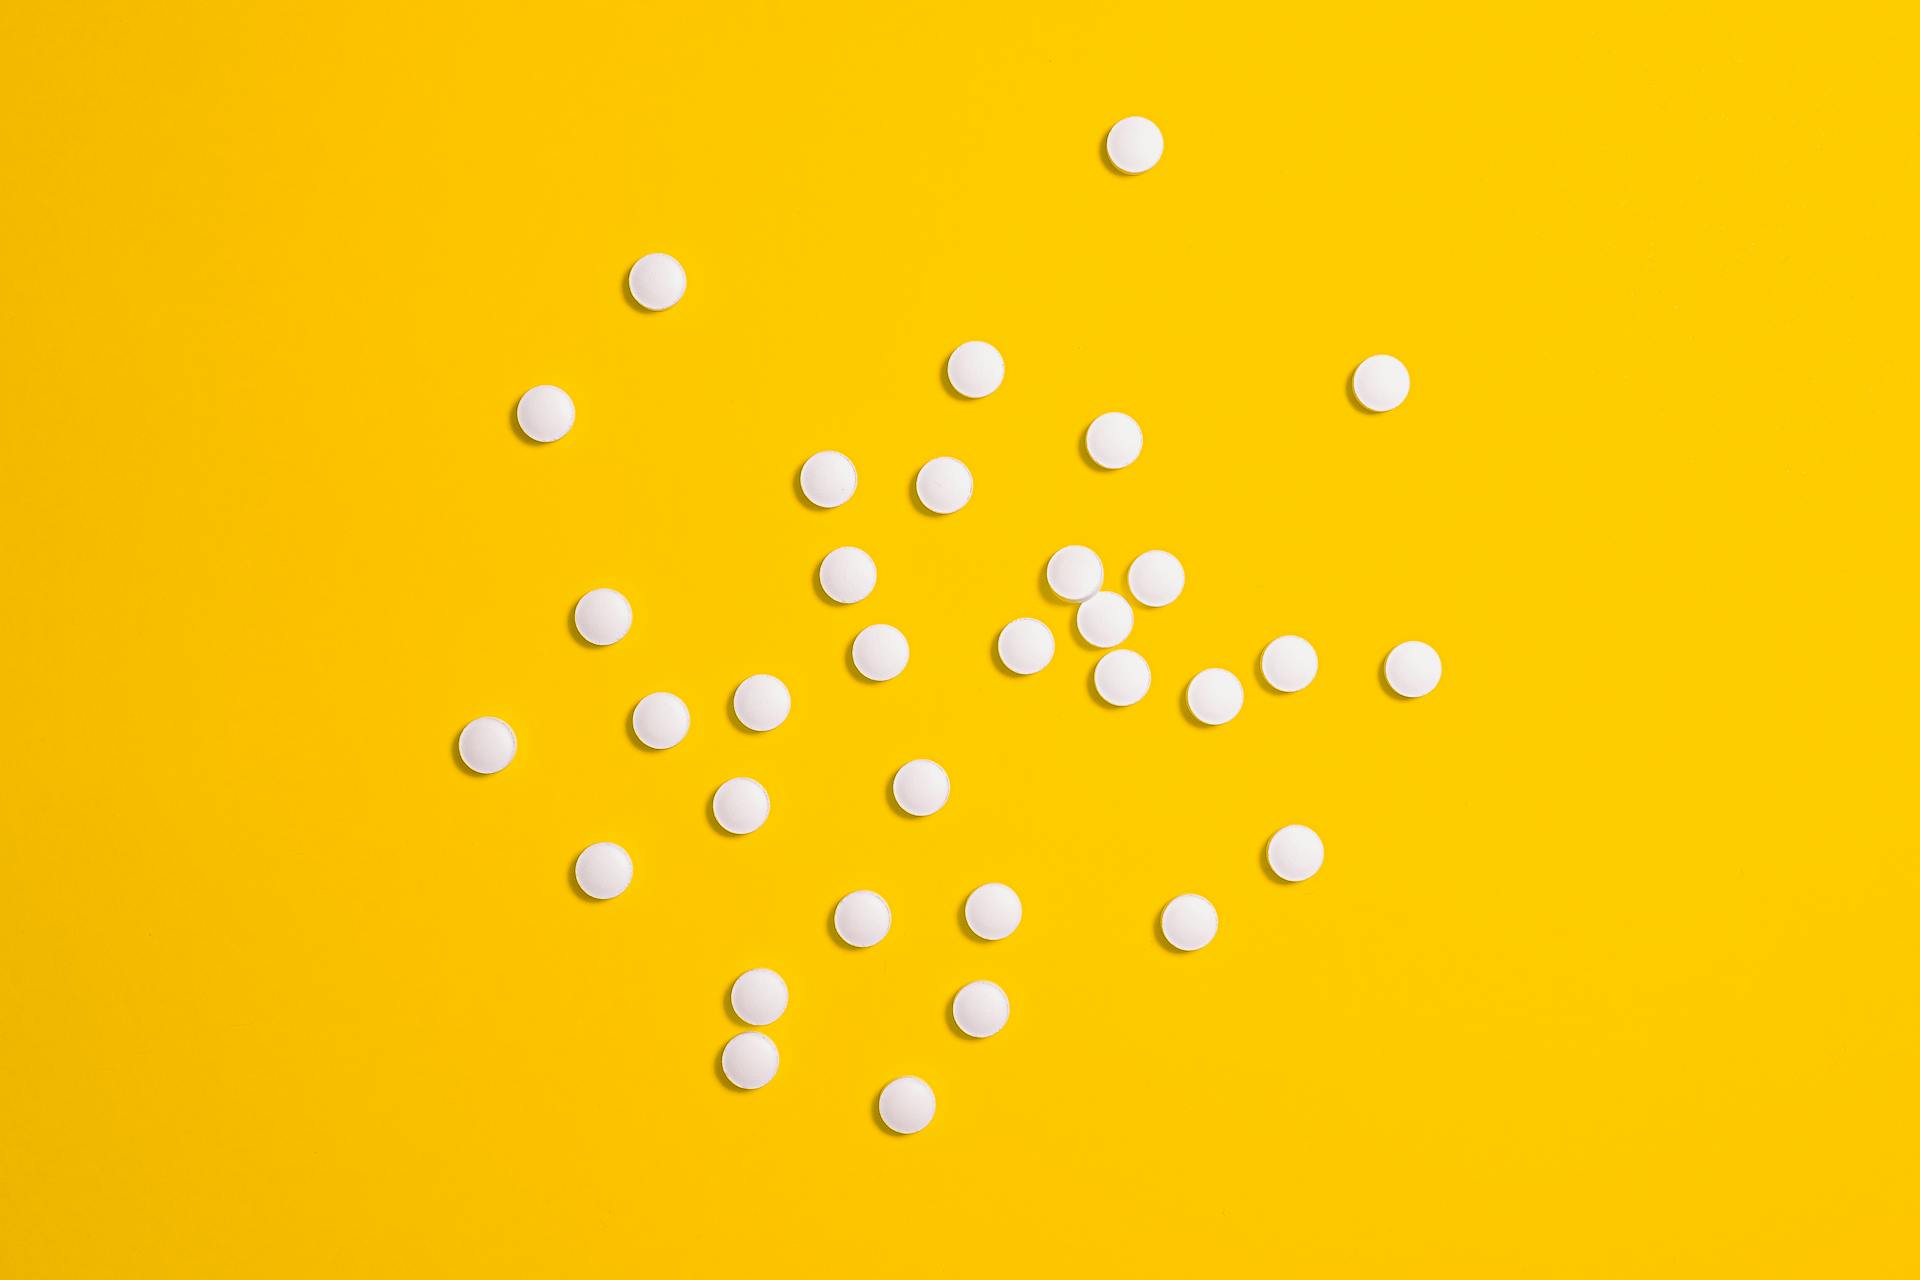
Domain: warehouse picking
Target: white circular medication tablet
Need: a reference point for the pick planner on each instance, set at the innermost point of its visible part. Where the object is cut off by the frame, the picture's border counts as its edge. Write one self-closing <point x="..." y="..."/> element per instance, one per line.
<point x="976" y="369"/>
<point x="762" y="703"/>
<point x="657" y="281"/>
<point x="906" y="1105"/>
<point x="848" y="575"/>
<point x="1122" y="677"/>
<point x="602" y="616"/>
<point x="1289" y="664"/>
<point x="1156" y="578"/>
<point x="1074" y="573"/>
<point x="880" y="652"/>
<point x="488" y="744"/>
<point x="1189" y="922"/>
<point x="1114" y="440"/>
<point x="828" y="478"/>
<point x="759" y="997"/>
<point x="1295" y="852"/>
<point x="1135" y="145"/>
<point x="921" y="787"/>
<point x="1413" y="669"/>
<point x="862" y="918"/>
<point x="981" y="1009"/>
<point x="1026" y="646"/>
<point x="1104" y="619"/>
<point x="545" y="413"/>
<point x="661" y="720"/>
<point x="993" y="911"/>
<point x="944" y="485"/>
<point x="603" y="870"/>
<point x="1381" y="383"/>
<point x="749" y="1060"/>
<point x="1215" y="696"/>
<point x="741" y="806"/>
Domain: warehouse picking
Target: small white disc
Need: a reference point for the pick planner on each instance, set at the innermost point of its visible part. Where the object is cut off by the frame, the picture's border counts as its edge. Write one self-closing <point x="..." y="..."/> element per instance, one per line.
<point x="602" y="616"/>
<point x="657" y="281"/>
<point x="749" y="1060"/>
<point x="880" y="652"/>
<point x="661" y="720"/>
<point x="1295" y="852"/>
<point x="921" y="787"/>
<point x="906" y="1105"/>
<point x="1189" y="922"/>
<point x="1122" y="677"/>
<point x="976" y="369"/>
<point x="1135" y="145"/>
<point x="848" y="575"/>
<point x="1381" y="383"/>
<point x="1104" y="619"/>
<point x="1114" y="440"/>
<point x="1156" y="578"/>
<point x="545" y="414"/>
<point x="762" y="703"/>
<point x="862" y="918"/>
<point x="603" y="870"/>
<point x="741" y="806"/>
<point x="981" y="1008"/>
<point x="993" y="911"/>
<point x="1289" y="664"/>
<point x="759" y="997"/>
<point x="1074" y="573"/>
<point x="1413" y="669"/>
<point x="1026" y="646"/>
<point x="1215" y="696"/>
<point x="828" y="478"/>
<point x="944" y="485"/>
<point x="488" y="744"/>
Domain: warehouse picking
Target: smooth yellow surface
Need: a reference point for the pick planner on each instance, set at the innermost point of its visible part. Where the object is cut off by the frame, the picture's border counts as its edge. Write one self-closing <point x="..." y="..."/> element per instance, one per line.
<point x="1612" y="964"/>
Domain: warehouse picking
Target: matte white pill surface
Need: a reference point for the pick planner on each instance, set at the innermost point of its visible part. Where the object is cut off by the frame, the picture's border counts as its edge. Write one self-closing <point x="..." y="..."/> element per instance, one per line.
<point x="1074" y="573"/>
<point x="880" y="652"/>
<point x="1381" y="383"/>
<point x="1189" y="922"/>
<point x="848" y="575"/>
<point x="1114" y="440"/>
<point x="741" y="805"/>
<point x="1413" y="669"/>
<point x="1122" y="677"/>
<point x="1215" y="696"/>
<point x="980" y="1009"/>
<point x="759" y="997"/>
<point x="1289" y="664"/>
<point x="1134" y="145"/>
<point x="1104" y="619"/>
<point x="603" y="870"/>
<point x="1026" y="646"/>
<point x="1156" y="578"/>
<point x="749" y="1060"/>
<point x="828" y="478"/>
<point x="906" y="1105"/>
<point x="657" y="281"/>
<point x="1295" y="852"/>
<point x="761" y="703"/>
<point x="993" y="911"/>
<point x="921" y="787"/>
<point x="944" y="485"/>
<point x="976" y="369"/>
<point x="602" y="616"/>
<point x="661" y="720"/>
<point x="545" y="413"/>
<point x="487" y="745"/>
<point x="862" y="918"/>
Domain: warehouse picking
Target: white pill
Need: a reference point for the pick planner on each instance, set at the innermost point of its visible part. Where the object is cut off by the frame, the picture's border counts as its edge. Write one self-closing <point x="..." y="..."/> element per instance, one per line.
<point x="1134" y="145"/>
<point x="741" y="805"/>
<point x="749" y="1060"/>
<point x="1295" y="852"/>
<point x="1114" y="440"/>
<point x="1026" y="646"/>
<point x="944" y="485"/>
<point x="1122" y="677"/>
<point x="848" y="575"/>
<point x="862" y="918"/>
<point x="1413" y="669"/>
<point x="880" y="652"/>
<point x="602" y="616"/>
<point x="1156" y="578"/>
<point x="661" y="720"/>
<point x="921" y="787"/>
<point x="906" y="1105"/>
<point x="1074" y="573"/>
<point x="1104" y="619"/>
<point x="603" y="870"/>
<point x="1215" y="696"/>
<point x="545" y="414"/>
<point x="828" y="478"/>
<point x="759" y="997"/>
<point x="761" y="703"/>
<point x="981" y="1008"/>
<point x="1289" y="664"/>
<point x="1381" y="383"/>
<point x="1189" y="922"/>
<point x="487" y="745"/>
<point x="993" y="911"/>
<point x="657" y="281"/>
<point x="976" y="369"/>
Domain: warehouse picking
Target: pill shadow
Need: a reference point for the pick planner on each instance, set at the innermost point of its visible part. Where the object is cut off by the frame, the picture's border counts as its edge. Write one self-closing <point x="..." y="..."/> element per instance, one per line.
<point x="1086" y="456"/>
<point x="626" y="294"/>
<point x="713" y="823"/>
<point x="953" y="1025"/>
<point x="834" y="933"/>
<point x="720" y="1071"/>
<point x="1100" y="146"/>
<point x="1093" y="690"/>
<point x="573" y="631"/>
<point x="726" y="1006"/>
<point x="460" y="764"/>
<point x="966" y="930"/>
<point x="513" y="425"/>
<point x="573" y="883"/>
<point x="1160" y="937"/>
<point x="1386" y="688"/>
<point x="1186" y="712"/>
<point x="940" y="372"/>
<point x="820" y="592"/>
<point x="1266" y="868"/>
<point x="800" y="494"/>
<point x="892" y="802"/>
<point x="913" y="496"/>
<point x="880" y="1123"/>
<point x="1354" y="400"/>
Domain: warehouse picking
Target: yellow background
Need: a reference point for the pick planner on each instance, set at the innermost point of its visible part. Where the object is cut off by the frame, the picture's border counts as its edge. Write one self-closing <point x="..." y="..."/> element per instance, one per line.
<point x="1612" y="962"/>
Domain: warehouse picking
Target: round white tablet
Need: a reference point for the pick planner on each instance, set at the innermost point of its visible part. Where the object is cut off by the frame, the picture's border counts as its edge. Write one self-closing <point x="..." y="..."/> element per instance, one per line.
<point x="1104" y="619"/>
<point x="906" y="1105"/>
<point x="1074" y="573"/>
<point x="1114" y="440"/>
<point x="741" y="805"/>
<point x="862" y="918"/>
<point x="1295" y="852"/>
<point x="847" y="575"/>
<point x="657" y="281"/>
<point x="761" y="703"/>
<point x="1413" y="669"/>
<point x="921" y="787"/>
<point x="749" y="1060"/>
<point x="1189" y="922"/>
<point x="661" y="720"/>
<point x="603" y="870"/>
<point x="1289" y="664"/>
<point x="1122" y="677"/>
<point x="1134" y="145"/>
<point x="880" y="652"/>
<point x="993" y="911"/>
<point x="828" y="478"/>
<point x="602" y="616"/>
<point x="1381" y="383"/>
<point x="976" y="369"/>
<point x="1156" y="578"/>
<point x="487" y="745"/>
<point x="1026" y="646"/>
<point x="545" y="414"/>
<point x="759" y="997"/>
<point x="1214" y="696"/>
<point x="944" y="485"/>
<point x="980" y="1009"/>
